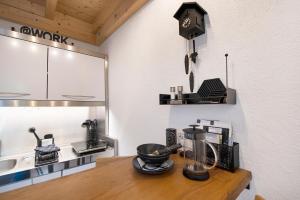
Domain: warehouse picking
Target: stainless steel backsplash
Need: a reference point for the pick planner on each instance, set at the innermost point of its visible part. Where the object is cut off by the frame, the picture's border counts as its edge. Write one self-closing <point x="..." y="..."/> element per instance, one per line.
<point x="63" y="122"/>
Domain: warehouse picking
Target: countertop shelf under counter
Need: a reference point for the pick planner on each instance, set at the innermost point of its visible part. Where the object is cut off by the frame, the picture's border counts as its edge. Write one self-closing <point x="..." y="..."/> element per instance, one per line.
<point x="115" y="178"/>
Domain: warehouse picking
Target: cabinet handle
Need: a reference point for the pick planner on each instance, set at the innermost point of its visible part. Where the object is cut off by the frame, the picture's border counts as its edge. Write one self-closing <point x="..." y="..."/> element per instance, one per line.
<point x="12" y="94"/>
<point x="78" y="97"/>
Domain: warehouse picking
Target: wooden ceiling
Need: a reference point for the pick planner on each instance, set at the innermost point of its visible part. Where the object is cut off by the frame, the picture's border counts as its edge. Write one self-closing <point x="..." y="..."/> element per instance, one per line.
<point x="89" y="21"/>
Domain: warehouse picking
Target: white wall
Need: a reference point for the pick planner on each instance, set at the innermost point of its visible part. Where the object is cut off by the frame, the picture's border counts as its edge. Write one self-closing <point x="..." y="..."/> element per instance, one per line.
<point x="262" y="39"/>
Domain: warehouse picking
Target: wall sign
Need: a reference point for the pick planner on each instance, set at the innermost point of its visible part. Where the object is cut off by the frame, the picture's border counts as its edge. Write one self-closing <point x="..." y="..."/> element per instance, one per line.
<point x="43" y="34"/>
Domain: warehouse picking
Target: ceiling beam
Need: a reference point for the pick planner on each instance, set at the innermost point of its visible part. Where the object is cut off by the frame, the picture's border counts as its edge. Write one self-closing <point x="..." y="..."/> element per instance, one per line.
<point x="117" y="18"/>
<point x="62" y="24"/>
<point x="50" y="8"/>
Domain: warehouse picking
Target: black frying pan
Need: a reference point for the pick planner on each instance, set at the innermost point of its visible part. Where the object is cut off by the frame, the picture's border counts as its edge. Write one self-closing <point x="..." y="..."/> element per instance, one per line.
<point x="155" y="153"/>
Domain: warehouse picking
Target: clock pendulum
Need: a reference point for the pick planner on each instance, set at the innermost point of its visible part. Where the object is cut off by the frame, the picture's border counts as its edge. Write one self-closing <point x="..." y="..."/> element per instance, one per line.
<point x="193" y="57"/>
<point x="194" y="54"/>
<point x="191" y="78"/>
<point x="186" y="58"/>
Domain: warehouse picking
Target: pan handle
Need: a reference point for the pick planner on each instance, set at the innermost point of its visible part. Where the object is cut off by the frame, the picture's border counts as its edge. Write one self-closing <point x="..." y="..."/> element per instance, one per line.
<point x="169" y="149"/>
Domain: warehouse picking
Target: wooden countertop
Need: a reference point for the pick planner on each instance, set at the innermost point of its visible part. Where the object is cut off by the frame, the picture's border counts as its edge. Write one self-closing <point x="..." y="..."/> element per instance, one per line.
<point x="115" y="178"/>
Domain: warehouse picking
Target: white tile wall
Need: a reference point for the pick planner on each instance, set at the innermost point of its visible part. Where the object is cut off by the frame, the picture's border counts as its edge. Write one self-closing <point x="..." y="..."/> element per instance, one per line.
<point x="63" y="122"/>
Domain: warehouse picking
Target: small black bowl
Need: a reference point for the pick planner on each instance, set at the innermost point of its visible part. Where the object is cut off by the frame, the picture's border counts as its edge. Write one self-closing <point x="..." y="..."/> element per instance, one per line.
<point x="145" y="152"/>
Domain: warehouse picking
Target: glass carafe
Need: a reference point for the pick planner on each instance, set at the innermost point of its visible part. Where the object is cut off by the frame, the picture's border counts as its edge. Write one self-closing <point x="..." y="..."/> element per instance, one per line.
<point x="194" y="147"/>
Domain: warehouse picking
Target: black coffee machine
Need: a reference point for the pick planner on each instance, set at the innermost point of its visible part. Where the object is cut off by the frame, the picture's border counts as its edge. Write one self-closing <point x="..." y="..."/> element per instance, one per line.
<point x="45" y="152"/>
<point x="91" y="132"/>
<point x="92" y="144"/>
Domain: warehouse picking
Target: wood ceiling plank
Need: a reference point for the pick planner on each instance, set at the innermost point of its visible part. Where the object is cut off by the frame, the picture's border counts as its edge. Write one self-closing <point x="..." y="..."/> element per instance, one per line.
<point x="40" y="2"/>
<point x="50" y="8"/>
<point x="64" y="25"/>
<point x="103" y="16"/>
<point x="26" y="5"/>
<point x="118" y="17"/>
<point x="105" y="12"/>
<point x="84" y="10"/>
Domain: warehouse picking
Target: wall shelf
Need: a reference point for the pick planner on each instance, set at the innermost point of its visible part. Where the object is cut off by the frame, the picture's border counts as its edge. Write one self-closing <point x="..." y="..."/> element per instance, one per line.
<point x="194" y="98"/>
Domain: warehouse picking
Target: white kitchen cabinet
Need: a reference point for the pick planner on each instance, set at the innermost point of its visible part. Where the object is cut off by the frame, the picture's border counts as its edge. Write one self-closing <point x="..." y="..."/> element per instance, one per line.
<point x="74" y="76"/>
<point x="23" y="69"/>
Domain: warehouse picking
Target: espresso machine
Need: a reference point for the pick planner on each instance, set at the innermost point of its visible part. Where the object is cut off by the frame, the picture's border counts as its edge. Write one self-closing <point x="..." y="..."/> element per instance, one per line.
<point x="195" y="155"/>
<point x="92" y="144"/>
<point x="91" y="132"/>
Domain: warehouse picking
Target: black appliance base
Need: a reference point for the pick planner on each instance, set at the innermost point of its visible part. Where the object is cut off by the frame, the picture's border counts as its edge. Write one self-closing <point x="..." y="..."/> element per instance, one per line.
<point x="89" y="152"/>
<point x="85" y="148"/>
<point x="198" y="177"/>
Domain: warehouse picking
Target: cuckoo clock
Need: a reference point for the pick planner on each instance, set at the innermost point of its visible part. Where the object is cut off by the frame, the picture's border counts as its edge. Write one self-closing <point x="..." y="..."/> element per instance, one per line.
<point x="191" y="24"/>
<point x="191" y="20"/>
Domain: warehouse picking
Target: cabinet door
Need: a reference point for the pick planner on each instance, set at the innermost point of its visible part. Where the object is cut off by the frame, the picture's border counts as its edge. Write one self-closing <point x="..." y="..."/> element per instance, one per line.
<point x="23" y="69"/>
<point x="74" y="76"/>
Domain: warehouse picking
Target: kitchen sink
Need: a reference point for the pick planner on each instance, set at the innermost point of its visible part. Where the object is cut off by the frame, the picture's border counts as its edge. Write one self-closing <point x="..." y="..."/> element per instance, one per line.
<point x="6" y="165"/>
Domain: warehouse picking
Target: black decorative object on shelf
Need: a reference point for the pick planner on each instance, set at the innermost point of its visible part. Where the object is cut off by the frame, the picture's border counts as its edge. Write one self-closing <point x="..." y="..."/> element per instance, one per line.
<point x="191" y="20"/>
<point x="212" y="88"/>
